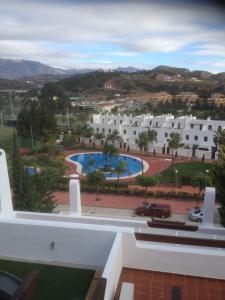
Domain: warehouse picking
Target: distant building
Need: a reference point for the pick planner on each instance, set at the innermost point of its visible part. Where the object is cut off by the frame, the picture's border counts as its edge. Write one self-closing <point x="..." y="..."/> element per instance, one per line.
<point x="218" y="99"/>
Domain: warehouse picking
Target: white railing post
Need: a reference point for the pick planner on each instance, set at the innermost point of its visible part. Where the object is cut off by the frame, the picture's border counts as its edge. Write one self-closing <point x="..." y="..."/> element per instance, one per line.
<point x="209" y="206"/>
<point x="74" y="195"/>
<point x="6" y="206"/>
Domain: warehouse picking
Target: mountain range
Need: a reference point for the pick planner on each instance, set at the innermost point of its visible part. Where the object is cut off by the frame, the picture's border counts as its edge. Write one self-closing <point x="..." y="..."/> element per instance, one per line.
<point x="18" y="69"/>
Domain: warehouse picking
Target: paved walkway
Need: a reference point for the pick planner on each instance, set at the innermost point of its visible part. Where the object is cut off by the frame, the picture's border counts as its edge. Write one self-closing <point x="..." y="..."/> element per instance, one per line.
<point x="123" y="202"/>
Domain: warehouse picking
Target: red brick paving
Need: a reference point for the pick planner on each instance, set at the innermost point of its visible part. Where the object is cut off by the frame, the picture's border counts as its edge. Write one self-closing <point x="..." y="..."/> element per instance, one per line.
<point x="124" y="202"/>
<point x="151" y="285"/>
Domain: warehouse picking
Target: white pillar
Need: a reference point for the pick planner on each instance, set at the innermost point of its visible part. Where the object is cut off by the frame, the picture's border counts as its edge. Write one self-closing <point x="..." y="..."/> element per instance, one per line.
<point x="75" y="201"/>
<point x="209" y="206"/>
<point x="6" y="206"/>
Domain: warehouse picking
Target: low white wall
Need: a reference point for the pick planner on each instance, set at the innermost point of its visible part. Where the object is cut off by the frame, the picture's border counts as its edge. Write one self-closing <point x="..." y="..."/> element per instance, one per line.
<point x="113" y="267"/>
<point x="181" y="259"/>
<point x="136" y="224"/>
<point x="76" y="244"/>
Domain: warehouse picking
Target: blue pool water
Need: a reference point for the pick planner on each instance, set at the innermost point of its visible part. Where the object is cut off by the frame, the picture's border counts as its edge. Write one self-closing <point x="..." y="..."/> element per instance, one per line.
<point x="93" y="161"/>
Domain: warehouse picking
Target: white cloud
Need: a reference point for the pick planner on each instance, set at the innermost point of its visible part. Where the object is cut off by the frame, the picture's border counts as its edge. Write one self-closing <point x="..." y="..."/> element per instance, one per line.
<point x="36" y="29"/>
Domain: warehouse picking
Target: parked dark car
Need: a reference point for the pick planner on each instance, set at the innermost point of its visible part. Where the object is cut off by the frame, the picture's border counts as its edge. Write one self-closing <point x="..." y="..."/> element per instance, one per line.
<point x="154" y="210"/>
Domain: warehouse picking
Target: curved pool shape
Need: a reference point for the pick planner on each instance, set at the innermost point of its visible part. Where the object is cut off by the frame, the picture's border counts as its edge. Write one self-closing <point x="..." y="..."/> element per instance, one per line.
<point x="92" y="161"/>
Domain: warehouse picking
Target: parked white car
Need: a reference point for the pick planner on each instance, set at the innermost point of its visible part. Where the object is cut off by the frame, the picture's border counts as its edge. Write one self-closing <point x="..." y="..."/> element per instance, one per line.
<point x="196" y="215"/>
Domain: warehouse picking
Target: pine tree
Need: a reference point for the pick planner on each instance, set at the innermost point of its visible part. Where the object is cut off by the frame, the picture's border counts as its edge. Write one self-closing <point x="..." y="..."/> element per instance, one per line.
<point x="32" y="193"/>
<point x="22" y="187"/>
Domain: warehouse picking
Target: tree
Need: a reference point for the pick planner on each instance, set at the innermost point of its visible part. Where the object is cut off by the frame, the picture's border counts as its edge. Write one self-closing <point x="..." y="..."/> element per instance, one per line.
<point x="174" y="143"/>
<point x="109" y="151"/>
<point x="152" y="136"/>
<point x="36" y="120"/>
<point x="219" y="141"/>
<point x="113" y="137"/>
<point x="22" y="189"/>
<point x="90" y="162"/>
<point x="99" y="136"/>
<point x="146" y="181"/>
<point x="33" y="193"/>
<point x="219" y="174"/>
<point x="96" y="179"/>
<point x="120" y="168"/>
<point x="201" y="182"/>
<point x="142" y="143"/>
<point x="84" y="130"/>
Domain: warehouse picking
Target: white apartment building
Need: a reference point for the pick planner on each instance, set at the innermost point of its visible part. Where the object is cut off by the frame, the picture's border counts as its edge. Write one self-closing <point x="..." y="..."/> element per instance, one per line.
<point x="196" y="135"/>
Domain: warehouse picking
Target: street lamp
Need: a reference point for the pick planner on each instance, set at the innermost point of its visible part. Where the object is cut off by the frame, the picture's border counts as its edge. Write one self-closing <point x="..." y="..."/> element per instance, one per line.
<point x="206" y="175"/>
<point x="176" y="172"/>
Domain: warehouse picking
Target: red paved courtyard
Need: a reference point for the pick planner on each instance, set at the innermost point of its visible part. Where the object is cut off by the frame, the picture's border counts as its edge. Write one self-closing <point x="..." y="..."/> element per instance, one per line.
<point x="151" y="285"/>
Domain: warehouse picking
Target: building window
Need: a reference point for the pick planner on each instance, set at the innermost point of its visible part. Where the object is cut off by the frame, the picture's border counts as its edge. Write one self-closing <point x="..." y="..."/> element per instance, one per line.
<point x="172" y="125"/>
<point x="187" y="137"/>
<point x="103" y="121"/>
<point x="192" y="126"/>
<point x="150" y="123"/>
<point x="200" y="127"/>
<point x="103" y="129"/>
<point x="178" y="125"/>
<point x="114" y="122"/>
<point x="124" y="131"/>
<point x="97" y="129"/>
<point x="109" y="130"/>
<point x="134" y="132"/>
<point x="121" y="121"/>
<point x="157" y="124"/>
<point x="219" y="127"/>
<point x="196" y="137"/>
<point x="166" y="134"/>
<point x="205" y="139"/>
<point x="209" y="127"/>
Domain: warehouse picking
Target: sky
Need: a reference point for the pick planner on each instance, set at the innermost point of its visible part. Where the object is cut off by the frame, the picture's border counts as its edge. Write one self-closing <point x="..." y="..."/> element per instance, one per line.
<point x="108" y="34"/>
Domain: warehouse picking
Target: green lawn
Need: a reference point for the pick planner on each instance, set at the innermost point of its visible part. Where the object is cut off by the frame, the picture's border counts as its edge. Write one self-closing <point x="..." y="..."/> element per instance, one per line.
<point x="190" y="169"/>
<point x="55" y="283"/>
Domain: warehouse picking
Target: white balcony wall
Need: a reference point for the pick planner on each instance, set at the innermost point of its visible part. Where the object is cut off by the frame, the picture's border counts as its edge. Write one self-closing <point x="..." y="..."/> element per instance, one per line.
<point x="180" y="259"/>
<point x="113" y="267"/>
<point x="73" y="244"/>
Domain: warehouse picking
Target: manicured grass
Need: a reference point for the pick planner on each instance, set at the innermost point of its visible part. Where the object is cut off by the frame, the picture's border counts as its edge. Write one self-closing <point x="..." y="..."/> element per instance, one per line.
<point x="55" y="283"/>
<point x="189" y="169"/>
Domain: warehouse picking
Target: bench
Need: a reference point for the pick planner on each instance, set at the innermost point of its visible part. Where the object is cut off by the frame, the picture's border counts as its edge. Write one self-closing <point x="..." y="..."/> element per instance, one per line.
<point x="175" y="225"/>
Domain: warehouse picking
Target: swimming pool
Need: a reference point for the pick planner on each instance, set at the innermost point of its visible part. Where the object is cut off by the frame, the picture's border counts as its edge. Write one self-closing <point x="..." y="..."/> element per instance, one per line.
<point x="92" y="161"/>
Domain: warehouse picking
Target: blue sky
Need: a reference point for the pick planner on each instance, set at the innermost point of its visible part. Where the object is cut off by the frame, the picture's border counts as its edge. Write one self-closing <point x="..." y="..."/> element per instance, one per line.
<point x="108" y="34"/>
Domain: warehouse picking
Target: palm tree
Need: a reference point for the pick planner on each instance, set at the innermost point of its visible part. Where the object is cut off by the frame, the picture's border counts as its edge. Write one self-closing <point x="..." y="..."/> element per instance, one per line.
<point x="120" y="169"/>
<point x="108" y="152"/>
<point x="96" y="179"/>
<point x="114" y="136"/>
<point x="142" y="143"/>
<point x="174" y="143"/>
<point x="84" y="131"/>
<point x="152" y="136"/>
<point x="90" y="162"/>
